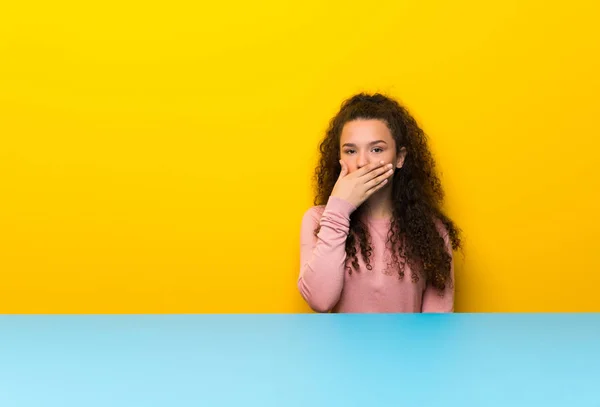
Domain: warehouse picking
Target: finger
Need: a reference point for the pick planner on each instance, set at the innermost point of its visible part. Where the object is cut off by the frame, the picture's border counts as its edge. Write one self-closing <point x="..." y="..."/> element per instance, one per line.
<point x="379" y="180"/>
<point x="344" y="170"/>
<point x="368" y="168"/>
<point x="376" y="188"/>
<point x="377" y="172"/>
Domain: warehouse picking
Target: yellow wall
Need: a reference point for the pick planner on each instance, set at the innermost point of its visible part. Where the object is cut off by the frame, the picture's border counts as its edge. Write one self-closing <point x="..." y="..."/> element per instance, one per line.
<point x="157" y="158"/>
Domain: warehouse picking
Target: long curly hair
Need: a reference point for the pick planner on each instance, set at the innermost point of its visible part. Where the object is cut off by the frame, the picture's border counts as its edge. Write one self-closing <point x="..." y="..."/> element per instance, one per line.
<point x="415" y="237"/>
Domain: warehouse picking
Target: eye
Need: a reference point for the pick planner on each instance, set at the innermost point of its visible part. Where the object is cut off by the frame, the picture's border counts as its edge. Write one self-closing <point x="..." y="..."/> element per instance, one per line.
<point x="378" y="149"/>
<point x="349" y="151"/>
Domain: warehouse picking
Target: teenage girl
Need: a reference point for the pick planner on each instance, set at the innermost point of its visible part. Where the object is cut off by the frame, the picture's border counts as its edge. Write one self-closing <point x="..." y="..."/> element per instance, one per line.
<point x="377" y="239"/>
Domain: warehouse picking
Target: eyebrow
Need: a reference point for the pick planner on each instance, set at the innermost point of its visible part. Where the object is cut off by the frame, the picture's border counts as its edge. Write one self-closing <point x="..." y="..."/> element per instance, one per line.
<point x="371" y="143"/>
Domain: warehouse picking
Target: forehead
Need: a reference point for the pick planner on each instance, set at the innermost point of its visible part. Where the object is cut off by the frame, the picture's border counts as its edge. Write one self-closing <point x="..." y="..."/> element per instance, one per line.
<point x="364" y="131"/>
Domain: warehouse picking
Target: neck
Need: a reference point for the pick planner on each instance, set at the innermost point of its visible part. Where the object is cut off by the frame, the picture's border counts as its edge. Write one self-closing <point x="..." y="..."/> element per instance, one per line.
<point x="379" y="205"/>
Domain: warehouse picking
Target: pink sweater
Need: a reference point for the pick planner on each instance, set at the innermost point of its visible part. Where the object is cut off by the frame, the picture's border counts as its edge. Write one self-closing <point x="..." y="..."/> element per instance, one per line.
<point x="327" y="286"/>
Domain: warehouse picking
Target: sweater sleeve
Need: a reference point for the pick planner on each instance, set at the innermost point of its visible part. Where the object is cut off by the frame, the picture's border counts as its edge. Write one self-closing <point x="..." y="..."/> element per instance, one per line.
<point x="435" y="301"/>
<point x="323" y="257"/>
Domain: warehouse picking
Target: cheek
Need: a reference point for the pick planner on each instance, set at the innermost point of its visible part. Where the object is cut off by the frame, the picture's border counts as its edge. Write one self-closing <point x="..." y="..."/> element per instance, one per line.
<point x="351" y="164"/>
<point x="391" y="158"/>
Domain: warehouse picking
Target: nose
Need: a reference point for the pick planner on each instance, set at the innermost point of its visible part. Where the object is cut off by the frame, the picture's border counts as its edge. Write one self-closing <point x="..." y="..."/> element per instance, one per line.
<point x="362" y="160"/>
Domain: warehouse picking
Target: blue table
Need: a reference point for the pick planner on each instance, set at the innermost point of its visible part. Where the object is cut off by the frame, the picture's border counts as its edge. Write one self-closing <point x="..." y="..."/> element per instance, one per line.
<point x="300" y="360"/>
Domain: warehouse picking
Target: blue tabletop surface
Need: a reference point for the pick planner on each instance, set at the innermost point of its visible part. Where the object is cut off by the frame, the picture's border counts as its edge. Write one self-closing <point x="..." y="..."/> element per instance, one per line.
<point x="300" y="360"/>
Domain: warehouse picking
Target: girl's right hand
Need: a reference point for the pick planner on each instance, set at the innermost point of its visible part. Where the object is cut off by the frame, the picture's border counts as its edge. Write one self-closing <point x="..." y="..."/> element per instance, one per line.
<point x="362" y="183"/>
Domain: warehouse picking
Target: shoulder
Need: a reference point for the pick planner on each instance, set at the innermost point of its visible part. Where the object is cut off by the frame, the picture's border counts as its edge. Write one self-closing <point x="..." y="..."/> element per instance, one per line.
<point x="441" y="228"/>
<point x="444" y="233"/>
<point x="312" y="215"/>
<point x="310" y="223"/>
<point x="335" y="207"/>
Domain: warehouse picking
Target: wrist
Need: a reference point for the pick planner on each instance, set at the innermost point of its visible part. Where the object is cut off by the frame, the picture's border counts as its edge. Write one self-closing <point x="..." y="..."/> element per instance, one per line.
<point x="340" y="204"/>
